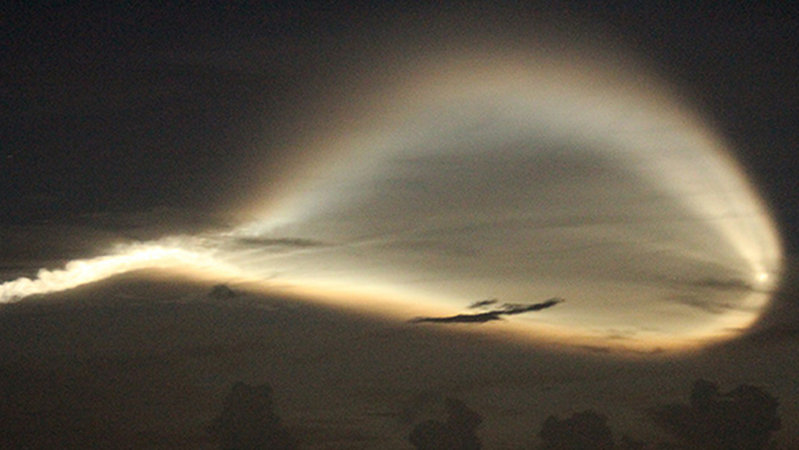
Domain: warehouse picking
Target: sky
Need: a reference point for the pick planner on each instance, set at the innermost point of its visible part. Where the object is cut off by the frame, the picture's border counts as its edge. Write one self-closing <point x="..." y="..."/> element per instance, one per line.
<point x="408" y="161"/>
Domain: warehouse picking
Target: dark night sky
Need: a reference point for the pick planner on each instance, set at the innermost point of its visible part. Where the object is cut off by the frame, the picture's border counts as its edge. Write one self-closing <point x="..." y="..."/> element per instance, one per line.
<point x="137" y="122"/>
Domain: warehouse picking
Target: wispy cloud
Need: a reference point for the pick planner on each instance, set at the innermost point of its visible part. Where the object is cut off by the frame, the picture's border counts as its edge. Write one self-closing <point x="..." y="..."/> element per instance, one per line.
<point x="290" y="243"/>
<point x="729" y="284"/>
<point x="703" y="303"/>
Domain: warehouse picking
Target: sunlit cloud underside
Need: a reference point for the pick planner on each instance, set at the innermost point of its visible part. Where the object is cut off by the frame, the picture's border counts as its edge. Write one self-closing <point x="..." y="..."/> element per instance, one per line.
<point x="507" y="176"/>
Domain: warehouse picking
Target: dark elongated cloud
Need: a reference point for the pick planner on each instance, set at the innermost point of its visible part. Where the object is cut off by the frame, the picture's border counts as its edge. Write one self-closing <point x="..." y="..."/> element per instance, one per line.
<point x="518" y="308"/>
<point x="488" y="316"/>
<point x="483" y="303"/>
<point x="284" y="243"/>
<point x="460" y="318"/>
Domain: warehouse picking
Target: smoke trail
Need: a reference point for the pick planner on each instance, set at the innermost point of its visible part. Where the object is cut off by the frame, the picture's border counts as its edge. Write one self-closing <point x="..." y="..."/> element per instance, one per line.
<point x="172" y="252"/>
<point x="505" y="176"/>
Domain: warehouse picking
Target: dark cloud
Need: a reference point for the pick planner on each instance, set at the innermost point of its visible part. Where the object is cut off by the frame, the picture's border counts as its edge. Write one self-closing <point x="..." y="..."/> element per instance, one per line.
<point x="221" y="292"/>
<point x="744" y="417"/>
<point x="596" y="349"/>
<point x="703" y="303"/>
<point x="518" y="308"/>
<point x="286" y="243"/>
<point x="460" y="318"/>
<point x="458" y="432"/>
<point x="507" y="309"/>
<point x="248" y="420"/>
<point x="411" y="411"/>
<point x="483" y="303"/>
<point x="586" y="429"/>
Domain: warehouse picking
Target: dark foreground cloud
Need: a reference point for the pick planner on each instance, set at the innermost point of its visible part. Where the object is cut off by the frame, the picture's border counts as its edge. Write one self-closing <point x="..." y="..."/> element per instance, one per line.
<point x="744" y="417"/>
<point x="587" y="429"/>
<point x="458" y="432"/>
<point x="248" y="420"/>
<point x="507" y="309"/>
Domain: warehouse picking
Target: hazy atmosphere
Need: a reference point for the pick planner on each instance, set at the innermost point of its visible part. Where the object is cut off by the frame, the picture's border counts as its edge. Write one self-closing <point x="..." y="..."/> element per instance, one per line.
<point x="292" y="225"/>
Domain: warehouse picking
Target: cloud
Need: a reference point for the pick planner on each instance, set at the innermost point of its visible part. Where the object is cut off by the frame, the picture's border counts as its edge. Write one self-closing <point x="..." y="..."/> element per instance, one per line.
<point x="457" y="432"/>
<point x="729" y="284"/>
<point x="222" y="292"/>
<point x="596" y="349"/>
<point x="518" y="308"/>
<point x="744" y="417"/>
<point x="704" y="304"/>
<point x="278" y="243"/>
<point x="248" y="420"/>
<point x="587" y="429"/>
<point x="507" y="309"/>
<point x="460" y="318"/>
<point x="483" y="303"/>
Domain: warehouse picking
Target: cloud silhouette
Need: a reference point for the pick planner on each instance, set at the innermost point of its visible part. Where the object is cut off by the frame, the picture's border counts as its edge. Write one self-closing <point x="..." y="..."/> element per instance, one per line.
<point x="460" y="318"/>
<point x="248" y="420"/>
<point x="222" y="292"/>
<point x="508" y="309"/>
<point x="744" y="417"/>
<point x="483" y="303"/>
<point x="458" y="432"/>
<point x="587" y="429"/>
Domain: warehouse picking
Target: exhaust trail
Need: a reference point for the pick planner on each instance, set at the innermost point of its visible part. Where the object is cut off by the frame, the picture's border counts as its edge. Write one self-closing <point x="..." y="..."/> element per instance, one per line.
<point x="172" y="252"/>
<point x="510" y="175"/>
